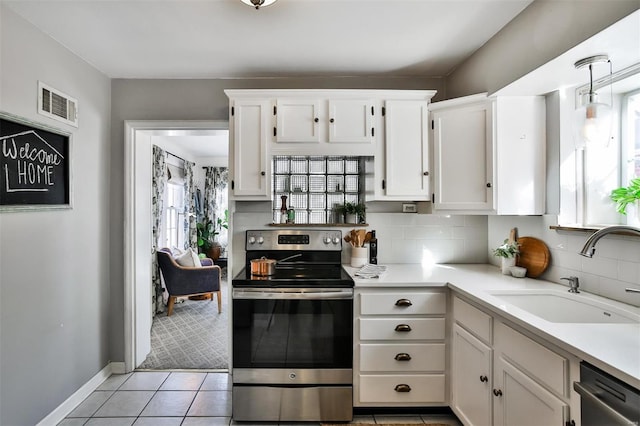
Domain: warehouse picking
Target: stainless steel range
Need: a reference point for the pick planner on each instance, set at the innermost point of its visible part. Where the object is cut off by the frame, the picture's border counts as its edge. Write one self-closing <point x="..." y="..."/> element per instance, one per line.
<point x="293" y="330"/>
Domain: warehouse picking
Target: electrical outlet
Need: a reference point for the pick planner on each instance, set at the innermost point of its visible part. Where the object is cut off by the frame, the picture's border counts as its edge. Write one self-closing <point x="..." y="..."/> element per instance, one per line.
<point x="409" y="208"/>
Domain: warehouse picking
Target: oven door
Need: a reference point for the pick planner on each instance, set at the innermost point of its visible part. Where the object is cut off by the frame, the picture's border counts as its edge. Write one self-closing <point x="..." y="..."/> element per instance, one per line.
<point x="292" y="328"/>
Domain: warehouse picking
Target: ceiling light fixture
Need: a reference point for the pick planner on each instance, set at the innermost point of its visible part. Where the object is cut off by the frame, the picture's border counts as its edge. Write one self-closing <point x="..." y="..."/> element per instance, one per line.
<point x="258" y="3"/>
<point x="593" y="118"/>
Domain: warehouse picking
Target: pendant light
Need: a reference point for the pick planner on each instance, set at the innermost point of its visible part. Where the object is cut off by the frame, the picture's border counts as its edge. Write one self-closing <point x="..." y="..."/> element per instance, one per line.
<point x="258" y="3"/>
<point x="592" y="117"/>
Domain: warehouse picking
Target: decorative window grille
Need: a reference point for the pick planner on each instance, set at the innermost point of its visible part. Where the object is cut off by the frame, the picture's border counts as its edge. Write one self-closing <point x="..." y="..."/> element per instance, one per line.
<point x="315" y="186"/>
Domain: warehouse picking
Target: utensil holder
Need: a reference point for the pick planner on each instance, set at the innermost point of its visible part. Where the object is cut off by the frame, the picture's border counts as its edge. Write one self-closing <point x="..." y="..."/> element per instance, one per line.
<point x="359" y="256"/>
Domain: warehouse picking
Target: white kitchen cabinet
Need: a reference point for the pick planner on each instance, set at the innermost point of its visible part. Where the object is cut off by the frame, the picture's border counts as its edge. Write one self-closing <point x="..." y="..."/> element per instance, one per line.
<point x="400" y="350"/>
<point x="298" y="120"/>
<point x="406" y="154"/>
<point x="351" y="121"/>
<point x="499" y="376"/>
<point x="250" y="172"/>
<point x="489" y="155"/>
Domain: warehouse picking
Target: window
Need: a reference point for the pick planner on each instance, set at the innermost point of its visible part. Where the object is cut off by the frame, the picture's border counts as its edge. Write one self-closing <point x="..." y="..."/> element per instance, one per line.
<point x="174" y="215"/>
<point x="631" y="136"/>
<point x="314" y="186"/>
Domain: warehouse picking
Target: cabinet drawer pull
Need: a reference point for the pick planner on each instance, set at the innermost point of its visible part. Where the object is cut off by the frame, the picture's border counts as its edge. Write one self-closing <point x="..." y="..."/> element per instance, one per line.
<point x="403" y="327"/>
<point x="403" y="357"/>
<point x="402" y="388"/>
<point x="484" y="379"/>
<point x="403" y="302"/>
<point x="497" y="392"/>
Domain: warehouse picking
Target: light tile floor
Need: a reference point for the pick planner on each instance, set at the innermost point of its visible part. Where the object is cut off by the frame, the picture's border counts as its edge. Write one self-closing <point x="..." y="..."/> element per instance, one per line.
<point x="177" y="398"/>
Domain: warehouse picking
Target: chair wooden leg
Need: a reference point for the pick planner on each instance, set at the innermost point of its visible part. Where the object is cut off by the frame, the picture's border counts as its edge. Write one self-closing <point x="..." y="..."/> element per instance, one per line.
<point x="219" y="301"/>
<point x="172" y="300"/>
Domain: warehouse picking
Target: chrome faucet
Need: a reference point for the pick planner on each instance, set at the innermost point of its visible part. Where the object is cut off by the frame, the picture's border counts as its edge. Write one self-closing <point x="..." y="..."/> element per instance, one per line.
<point x="590" y="245"/>
<point x="574" y="283"/>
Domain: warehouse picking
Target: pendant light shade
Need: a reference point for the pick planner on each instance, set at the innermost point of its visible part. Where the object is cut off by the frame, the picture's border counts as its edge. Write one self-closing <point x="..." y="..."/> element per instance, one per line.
<point x="593" y="119"/>
<point x="258" y="3"/>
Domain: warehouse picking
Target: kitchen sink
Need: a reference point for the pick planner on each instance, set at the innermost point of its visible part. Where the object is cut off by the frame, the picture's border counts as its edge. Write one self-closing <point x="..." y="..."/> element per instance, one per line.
<point x="562" y="307"/>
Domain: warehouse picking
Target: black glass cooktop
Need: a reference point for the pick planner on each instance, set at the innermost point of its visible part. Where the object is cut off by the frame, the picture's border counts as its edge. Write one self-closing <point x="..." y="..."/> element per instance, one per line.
<point x="296" y="276"/>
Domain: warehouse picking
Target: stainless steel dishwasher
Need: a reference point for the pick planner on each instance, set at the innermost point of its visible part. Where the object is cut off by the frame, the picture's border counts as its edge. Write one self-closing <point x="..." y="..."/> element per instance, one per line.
<point x="605" y="400"/>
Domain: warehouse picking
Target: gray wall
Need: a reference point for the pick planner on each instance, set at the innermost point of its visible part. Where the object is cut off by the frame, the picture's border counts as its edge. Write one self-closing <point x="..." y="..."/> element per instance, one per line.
<point x="543" y="31"/>
<point x="54" y="265"/>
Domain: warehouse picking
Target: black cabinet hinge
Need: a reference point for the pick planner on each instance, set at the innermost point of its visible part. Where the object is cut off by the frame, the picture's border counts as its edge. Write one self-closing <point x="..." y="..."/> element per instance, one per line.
<point x="383" y="184"/>
<point x="570" y="423"/>
<point x="432" y="125"/>
<point x="373" y="110"/>
<point x="373" y="132"/>
<point x="232" y="184"/>
<point x="274" y="131"/>
<point x="433" y="197"/>
<point x="384" y="111"/>
<point x="233" y="111"/>
<point x="275" y="110"/>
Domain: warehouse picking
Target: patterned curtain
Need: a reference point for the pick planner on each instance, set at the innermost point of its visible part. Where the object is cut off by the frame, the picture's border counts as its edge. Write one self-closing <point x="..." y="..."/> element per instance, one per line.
<point x="189" y="208"/>
<point x="215" y="197"/>
<point x="158" y="183"/>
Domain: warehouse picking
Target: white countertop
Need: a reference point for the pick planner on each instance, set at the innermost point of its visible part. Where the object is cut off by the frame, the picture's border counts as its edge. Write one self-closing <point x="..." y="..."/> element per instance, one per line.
<point x="615" y="348"/>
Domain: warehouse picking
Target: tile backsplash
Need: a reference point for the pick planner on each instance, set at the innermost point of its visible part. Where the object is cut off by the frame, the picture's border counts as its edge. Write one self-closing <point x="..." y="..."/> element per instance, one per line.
<point x="417" y="238"/>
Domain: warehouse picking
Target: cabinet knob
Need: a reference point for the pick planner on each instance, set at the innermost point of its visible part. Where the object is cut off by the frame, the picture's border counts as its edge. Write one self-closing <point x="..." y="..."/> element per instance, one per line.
<point x="402" y="357"/>
<point x="263" y="173"/>
<point x="316" y="119"/>
<point x="402" y="388"/>
<point x="403" y="302"/>
<point x="331" y="120"/>
<point x="497" y="392"/>
<point x="403" y="327"/>
<point x="488" y="184"/>
<point x="425" y="174"/>
<point x="484" y="379"/>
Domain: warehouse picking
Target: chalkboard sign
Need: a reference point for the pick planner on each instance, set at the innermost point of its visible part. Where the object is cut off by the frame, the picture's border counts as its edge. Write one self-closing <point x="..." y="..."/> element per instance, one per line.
<point x="35" y="166"/>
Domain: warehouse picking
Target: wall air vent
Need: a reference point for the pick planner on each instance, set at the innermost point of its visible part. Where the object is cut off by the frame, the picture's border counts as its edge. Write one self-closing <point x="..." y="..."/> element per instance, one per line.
<point x="54" y="104"/>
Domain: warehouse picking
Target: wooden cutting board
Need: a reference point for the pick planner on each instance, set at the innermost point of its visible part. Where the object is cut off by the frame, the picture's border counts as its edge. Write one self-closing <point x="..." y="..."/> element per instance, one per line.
<point x="534" y="255"/>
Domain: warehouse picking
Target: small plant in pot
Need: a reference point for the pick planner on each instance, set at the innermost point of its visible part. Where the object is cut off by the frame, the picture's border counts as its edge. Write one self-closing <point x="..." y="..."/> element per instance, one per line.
<point x="507" y="253"/>
<point x="207" y="233"/>
<point x="626" y="196"/>
<point x="354" y="212"/>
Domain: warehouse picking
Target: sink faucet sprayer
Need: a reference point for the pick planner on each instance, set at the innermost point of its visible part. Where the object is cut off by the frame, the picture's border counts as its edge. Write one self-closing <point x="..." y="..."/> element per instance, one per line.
<point x="590" y="245"/>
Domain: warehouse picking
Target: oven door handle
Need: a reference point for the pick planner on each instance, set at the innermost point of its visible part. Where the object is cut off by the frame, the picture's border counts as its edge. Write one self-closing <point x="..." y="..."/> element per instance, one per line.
<point x="591" y="397"/>
<point x="293" y="293"/>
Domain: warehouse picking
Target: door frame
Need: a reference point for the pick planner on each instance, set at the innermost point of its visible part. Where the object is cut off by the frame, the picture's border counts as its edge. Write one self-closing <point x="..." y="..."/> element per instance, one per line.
<point x="137" y="231"/>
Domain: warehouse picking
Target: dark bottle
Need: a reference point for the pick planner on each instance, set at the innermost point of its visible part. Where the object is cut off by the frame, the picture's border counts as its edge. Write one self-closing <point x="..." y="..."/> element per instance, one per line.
<point x="373" y="249"/>
<point x="283" y="209"/>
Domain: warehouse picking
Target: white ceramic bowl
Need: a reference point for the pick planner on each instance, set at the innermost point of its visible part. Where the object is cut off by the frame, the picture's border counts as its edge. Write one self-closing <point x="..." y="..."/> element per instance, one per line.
<point x="518" y="271"/>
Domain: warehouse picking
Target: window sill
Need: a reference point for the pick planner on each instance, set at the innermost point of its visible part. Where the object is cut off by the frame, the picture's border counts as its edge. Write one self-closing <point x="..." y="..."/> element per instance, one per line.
<point x="589" y="229"/>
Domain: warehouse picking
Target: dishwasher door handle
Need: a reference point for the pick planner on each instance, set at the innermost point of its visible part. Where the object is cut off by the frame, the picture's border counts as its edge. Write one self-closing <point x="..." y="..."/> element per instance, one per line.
<point x="592" y="398"/>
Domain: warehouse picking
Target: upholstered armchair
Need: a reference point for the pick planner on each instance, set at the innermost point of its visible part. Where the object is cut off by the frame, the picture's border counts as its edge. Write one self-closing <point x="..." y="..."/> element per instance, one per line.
<point x="188" y="280"/>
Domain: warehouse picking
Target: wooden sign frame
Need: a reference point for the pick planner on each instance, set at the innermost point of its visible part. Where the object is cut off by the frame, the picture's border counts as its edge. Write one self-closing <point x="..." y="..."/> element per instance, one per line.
<point x="35" y="166"/>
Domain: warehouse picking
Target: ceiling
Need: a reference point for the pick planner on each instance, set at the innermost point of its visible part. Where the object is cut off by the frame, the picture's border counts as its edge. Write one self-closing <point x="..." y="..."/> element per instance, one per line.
<point x="228" y="39"/>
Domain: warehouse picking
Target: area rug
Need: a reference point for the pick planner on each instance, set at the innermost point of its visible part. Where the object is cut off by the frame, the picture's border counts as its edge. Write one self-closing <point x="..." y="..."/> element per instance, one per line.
<point x="193" y="337"/>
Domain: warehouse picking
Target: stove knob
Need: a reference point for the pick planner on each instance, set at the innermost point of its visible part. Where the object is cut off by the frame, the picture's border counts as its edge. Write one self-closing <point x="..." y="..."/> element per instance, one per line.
<point x="252" y="240"/>
<point x="336" y="240"/>
<point x="260" y="240"/>
<point x="326" y="239"/>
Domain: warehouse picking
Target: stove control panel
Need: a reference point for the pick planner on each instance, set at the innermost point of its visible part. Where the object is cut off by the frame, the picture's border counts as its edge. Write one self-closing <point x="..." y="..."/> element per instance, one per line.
<point x="290" y="239"/>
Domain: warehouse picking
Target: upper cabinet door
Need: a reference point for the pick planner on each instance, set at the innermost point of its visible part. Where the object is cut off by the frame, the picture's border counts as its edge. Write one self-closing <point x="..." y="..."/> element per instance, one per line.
<point x="407" y="149"/>
<point x="463" y="157"/>
<point x="351" y="121"/>
<point x="298" y="120"/>
<point x="251" y="175"/>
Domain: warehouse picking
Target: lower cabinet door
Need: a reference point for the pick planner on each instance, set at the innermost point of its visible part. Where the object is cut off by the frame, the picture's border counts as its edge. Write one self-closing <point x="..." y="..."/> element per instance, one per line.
<point x="518" y="400"/>
<point x="471" y="378"/>
<point x="399" y="389"/>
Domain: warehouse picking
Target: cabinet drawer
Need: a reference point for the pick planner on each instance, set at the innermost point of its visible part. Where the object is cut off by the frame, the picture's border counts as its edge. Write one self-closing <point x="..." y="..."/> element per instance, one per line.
<point x="473" y="319"/>
<point x="402" y="357"/>
<point x="403" y="303"/>
<point x="542" y="364"/>
<point x="382" y="389"/>
<point x="386" y="329"/>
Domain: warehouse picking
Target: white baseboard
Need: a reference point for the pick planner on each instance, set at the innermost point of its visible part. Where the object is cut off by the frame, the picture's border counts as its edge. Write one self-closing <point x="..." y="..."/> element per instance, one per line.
<point x="81" y="394"/>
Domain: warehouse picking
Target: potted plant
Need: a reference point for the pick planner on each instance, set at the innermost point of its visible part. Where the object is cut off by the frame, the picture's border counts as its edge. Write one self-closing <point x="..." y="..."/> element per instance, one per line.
<point x="507" y="253"/>
<point x="207" y="232"/>
<point x="354" y="212"/>
<point x="628" y="196"/>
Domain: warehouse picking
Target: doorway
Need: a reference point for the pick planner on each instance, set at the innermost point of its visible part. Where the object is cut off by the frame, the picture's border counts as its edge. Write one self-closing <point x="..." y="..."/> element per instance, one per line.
<point x="140" y="136"/>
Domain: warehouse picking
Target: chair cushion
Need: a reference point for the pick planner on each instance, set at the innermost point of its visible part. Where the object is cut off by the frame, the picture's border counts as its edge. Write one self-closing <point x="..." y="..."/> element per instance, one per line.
<point x="189" y="259"/>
